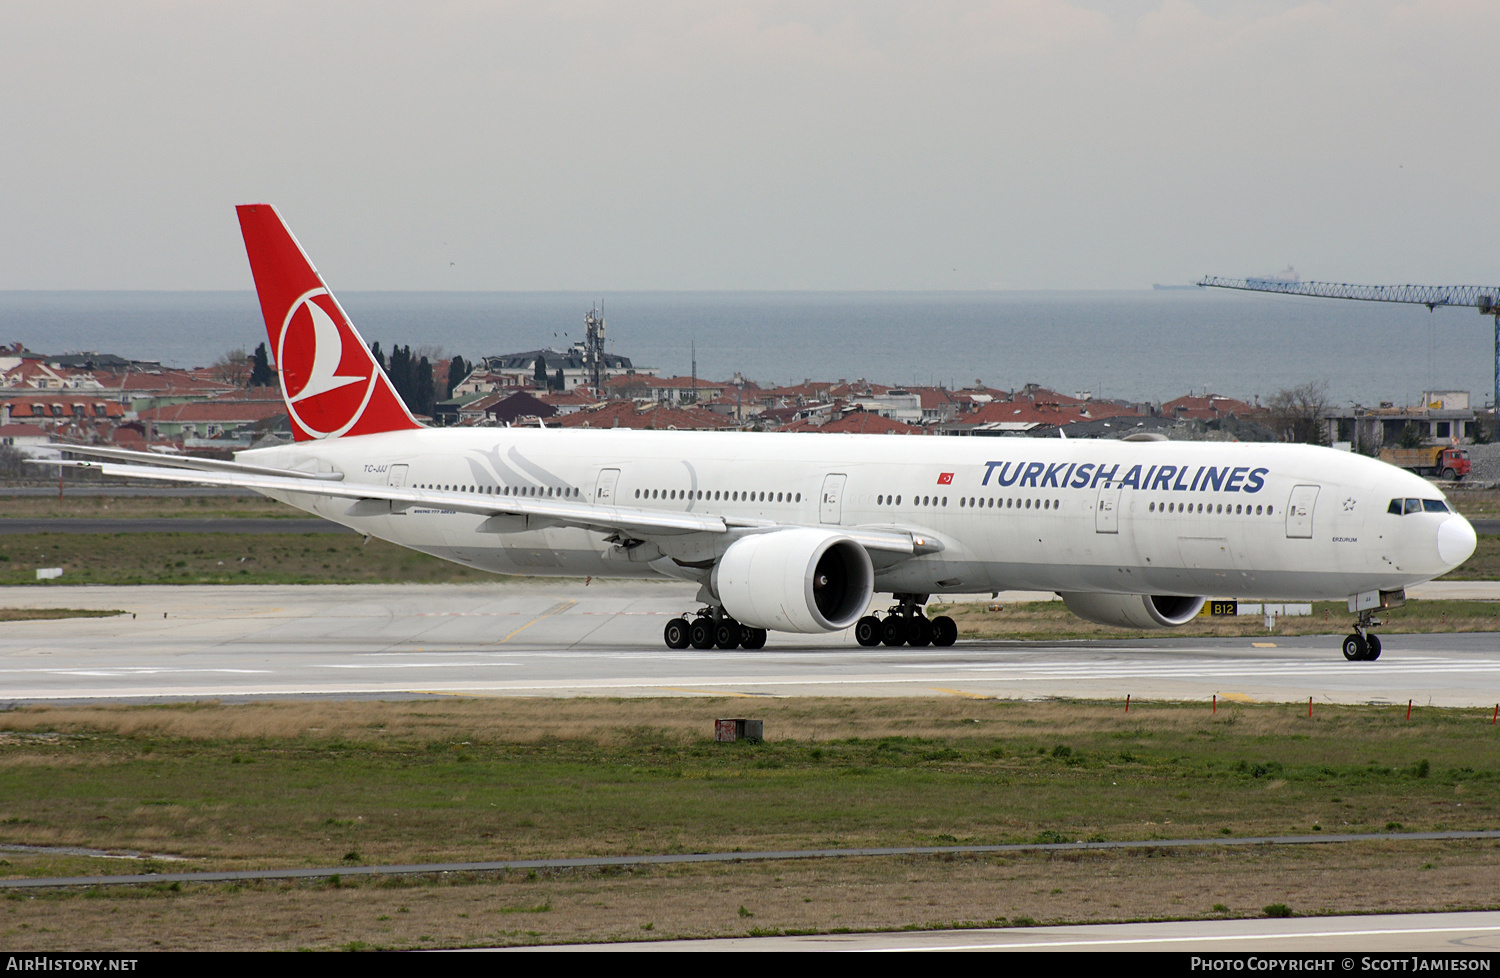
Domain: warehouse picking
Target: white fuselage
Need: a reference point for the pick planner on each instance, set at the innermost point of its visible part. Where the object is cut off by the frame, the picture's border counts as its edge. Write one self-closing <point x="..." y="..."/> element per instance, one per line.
<point x="1179" y="518"/>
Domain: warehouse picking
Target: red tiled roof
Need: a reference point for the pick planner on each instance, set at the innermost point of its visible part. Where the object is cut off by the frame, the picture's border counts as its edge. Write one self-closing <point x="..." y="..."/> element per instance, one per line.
<point x="1205" y="408"/>
<point x="624" y="414"/>
<point x="868" y="423"/>
<point x="195" y="412"/>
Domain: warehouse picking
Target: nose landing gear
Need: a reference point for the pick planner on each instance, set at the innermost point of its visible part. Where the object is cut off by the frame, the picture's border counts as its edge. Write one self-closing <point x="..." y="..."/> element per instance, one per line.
<point x="1364" y="644"/>
<point x="905" y="624"/>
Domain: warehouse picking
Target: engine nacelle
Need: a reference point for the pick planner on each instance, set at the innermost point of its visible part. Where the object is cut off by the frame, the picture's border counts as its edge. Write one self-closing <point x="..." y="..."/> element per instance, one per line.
<point x="801" y="579"/>
<point x="1133" y="610"/>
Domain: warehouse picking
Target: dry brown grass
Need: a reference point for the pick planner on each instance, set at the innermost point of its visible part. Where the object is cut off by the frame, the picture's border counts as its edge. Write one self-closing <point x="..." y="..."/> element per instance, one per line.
<point x="130" y="507"/>
<point x="859" y="894"/>
<point x="680" y="720"/>
<point x="40" y="614"/>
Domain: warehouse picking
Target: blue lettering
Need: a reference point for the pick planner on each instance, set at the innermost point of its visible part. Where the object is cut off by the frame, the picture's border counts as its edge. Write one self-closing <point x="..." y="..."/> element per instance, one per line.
<point x="1001" y="480"/>
<point x="1071" y="466"/>
<point x="1196" y="476"/>
<point x="1132" y="478"/>
<point x="989" y="467"/>
<point x="1050" y="479"/>
<point x="1256" y="480"/>
<point x="1108" y="477"/>
<point x="1235" y="477"/>
<point x="1081" y="479"/>
<point x="1164" y="477"/>
<point x="1177" y="486"/>
<point x="1033" y="469"/>
<point x="1214" y="479"/>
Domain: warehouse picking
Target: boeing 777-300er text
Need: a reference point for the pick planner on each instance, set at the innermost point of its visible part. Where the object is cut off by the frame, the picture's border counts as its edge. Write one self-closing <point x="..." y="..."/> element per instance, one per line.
<point x="797" y="532"/>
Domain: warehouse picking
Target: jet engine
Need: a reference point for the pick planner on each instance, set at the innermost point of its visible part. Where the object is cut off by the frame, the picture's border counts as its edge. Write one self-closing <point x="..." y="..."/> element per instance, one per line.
<point x="1133" y="610"/>
<point x="800" y="579"/>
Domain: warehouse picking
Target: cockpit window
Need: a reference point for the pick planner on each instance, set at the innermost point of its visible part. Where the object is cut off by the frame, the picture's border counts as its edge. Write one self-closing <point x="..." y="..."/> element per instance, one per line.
<point x="1401" y="507"/>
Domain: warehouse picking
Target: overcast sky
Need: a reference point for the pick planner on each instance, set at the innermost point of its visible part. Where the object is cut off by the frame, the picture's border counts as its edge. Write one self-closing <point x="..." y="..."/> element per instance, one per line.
<point x="1014" y="144"/>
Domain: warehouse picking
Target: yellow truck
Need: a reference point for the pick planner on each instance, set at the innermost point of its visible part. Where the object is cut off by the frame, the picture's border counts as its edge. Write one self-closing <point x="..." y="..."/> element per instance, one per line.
<point x="1439" y="460"/>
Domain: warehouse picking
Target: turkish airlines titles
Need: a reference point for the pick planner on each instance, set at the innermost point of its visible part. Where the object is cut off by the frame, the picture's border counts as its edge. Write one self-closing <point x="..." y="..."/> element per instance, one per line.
<point x="1088" y="475"/>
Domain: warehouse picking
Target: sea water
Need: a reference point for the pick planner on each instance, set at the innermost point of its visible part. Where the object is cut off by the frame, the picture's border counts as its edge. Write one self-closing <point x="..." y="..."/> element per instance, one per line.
<point x="1139" y="345"/>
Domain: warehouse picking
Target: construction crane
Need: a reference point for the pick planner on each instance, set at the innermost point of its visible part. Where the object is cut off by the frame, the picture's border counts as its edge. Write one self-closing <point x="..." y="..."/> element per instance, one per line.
<point x="1485" y="298"/>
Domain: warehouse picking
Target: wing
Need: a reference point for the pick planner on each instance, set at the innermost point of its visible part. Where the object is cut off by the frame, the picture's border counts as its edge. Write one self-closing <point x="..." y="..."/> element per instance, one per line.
<point x="507" y="514"/>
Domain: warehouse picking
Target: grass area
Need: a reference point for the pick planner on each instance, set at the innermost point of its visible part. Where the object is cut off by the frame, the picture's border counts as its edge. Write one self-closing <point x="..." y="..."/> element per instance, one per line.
<point x="331" y="783"/>
<point x="47" y="614"/>
<point x="220" y="558"/>
<point x="129" y="507"/>
<point x="1052" y="620"/>
<point x="312" y="558"/>
<point x="1484" y="565"/>
<point x="1475" y="503"/>
<point x="821" y="896"/>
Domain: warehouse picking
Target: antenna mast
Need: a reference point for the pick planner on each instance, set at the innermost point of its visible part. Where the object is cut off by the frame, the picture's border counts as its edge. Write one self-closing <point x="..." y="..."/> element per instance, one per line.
<point x="593" y="348"/>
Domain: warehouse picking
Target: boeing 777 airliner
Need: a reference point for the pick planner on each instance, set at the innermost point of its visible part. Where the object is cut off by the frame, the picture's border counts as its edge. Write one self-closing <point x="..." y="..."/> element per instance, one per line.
<point x="797" y="532"/>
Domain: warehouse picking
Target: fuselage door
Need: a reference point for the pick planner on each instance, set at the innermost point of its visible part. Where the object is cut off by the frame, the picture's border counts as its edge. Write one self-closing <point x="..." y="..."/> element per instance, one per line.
<point x="395" y="477"/>
<point x="604" y="489"/>
<point x="1299" y="511"/>
<point x="831" y="505"/>
<point x="1107" y="515"/>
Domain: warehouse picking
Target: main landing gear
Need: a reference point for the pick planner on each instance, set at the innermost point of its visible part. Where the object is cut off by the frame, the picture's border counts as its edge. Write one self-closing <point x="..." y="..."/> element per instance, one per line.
<point x="712" y="628"/>
<point x="905" y="624"/>
<point x="1364" y="644"/>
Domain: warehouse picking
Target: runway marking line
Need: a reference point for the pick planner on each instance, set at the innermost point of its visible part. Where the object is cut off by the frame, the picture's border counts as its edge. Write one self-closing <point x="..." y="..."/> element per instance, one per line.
<point x="1019" y="945"/>
<point x="556" y="609"/>
<point x="1236" y="697"/>
<point x="1263" y="645"/>
<point x="963" y="693"/>
<point x="717" y="692"/>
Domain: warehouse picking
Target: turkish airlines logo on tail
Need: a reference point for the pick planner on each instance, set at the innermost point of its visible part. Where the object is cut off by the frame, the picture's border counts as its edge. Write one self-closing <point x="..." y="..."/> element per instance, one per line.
<point x="327" y="376"/>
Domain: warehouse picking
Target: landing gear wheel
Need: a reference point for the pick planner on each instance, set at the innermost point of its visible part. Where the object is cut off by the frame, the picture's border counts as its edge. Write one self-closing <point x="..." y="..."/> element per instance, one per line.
<point x="753" y="638"/>
<point x="867" y="631"/>
<point x="676" y="633"/>
<point x="701" y="633"/>
<point x="1373" y="645"/>
<point x="728" y="634"/>
<point x="1355" y="648"/>
<point x="918" y="632"/>
<point x="944" y="631"/>
<point x="893" y="630"/>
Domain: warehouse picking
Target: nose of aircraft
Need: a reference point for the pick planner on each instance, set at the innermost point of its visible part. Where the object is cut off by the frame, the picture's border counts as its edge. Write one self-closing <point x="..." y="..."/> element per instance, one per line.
<point x="1456" y="540"/>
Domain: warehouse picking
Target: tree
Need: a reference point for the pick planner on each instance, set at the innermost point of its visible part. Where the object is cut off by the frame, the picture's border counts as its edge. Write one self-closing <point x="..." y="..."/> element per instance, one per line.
<point x="424" y="390"/>
<point x="457" y="372"/>
<point x="1297" y="413"/>
<point x="1411" y="436"/>
<point x="261" y="373"/>
<point x="539" y="378"/>
<point x="233" y="367"/>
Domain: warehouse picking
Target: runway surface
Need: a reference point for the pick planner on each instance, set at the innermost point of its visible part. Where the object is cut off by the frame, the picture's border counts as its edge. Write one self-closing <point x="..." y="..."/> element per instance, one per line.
<point x="1437" y="937"/>
<point x="561" y="638"/>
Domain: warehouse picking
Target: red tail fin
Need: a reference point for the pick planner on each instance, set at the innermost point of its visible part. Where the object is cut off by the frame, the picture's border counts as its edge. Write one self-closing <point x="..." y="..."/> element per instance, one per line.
<point x="331" y="383"/>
